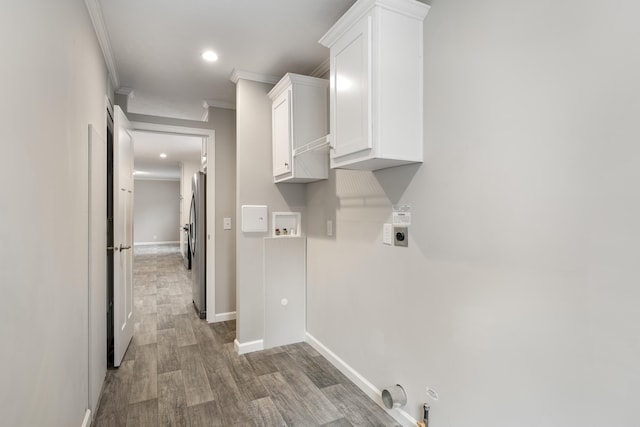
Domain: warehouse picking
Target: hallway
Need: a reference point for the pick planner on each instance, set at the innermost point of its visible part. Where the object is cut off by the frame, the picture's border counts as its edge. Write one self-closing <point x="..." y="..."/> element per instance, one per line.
<point x="181" y="371"/>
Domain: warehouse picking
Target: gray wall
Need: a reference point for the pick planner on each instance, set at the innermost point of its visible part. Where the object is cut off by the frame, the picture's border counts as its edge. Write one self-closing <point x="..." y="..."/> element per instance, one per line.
<point x="255" y="187"/>
<point x="156" y="211"/>
<point x="56" y="80"/>
<point x="223" y="121"/>
<point x="517" y="296"/>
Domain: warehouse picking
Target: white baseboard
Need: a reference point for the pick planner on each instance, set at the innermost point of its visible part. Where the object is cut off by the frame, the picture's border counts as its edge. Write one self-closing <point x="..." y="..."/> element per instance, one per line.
<point x="363" y="384"/>
<point x="223" y="317"/>
<point x="248" y="347"/>
<point x="87" y="419"/>
<point x="155" y="243"/>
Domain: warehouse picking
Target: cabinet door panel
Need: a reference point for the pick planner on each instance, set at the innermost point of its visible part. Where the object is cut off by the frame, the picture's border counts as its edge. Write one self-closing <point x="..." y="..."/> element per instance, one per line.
<point x="282" y="135"/>
<point x="351" y="91"/>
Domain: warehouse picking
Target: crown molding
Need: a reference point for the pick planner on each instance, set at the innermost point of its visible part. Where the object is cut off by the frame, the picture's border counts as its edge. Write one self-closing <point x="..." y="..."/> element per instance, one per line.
<point x="126" y="91"/>
<point x="218" y="104"/>
<point x="95" y="12"/>
<point x="321" y="69"/>
<point x="410" y="8"/>
<point x="256" y="77"/>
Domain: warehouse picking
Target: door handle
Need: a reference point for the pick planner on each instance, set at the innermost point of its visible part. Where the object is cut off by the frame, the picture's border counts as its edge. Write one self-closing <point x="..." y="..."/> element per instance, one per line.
<point x="122" y="248"/>
<point x="112" y="248"/>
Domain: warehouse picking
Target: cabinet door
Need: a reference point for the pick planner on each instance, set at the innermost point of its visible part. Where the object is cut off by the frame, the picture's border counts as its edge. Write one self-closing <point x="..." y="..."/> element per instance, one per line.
<point x="281" y="114"/>
<point x="351" y="90"/>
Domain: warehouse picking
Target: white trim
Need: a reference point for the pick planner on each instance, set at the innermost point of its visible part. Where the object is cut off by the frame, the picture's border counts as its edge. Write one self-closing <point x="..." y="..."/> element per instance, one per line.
<point x="223" y="317"/>
<point x="177" y="242"/>
<point x="95" y="13"/>
<point x="179" y="130"/>
<point x="363" y="384"/>
<point x="247" y="75"/>
<point x="126" y="91"/>
<point x="218" y="104"/>
<point x="248" y="347"/>
<point x="86" y="422"/>
<point x="412" y="9"/>
<point x="154" y="178"/>
<point x="321" y="69"/>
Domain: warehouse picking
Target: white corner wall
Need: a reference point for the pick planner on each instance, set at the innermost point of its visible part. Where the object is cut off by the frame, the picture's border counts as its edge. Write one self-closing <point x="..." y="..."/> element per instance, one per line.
<point x="156" y="211"/>
<point x="224" y="123"/>
<point x="516" y="299"/>
<point x="254" y="181"/>
<point x="55" y="86"/>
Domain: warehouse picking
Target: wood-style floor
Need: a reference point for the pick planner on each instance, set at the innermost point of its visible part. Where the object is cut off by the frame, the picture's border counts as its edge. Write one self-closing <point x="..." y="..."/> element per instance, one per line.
<point x="181" y="371"/>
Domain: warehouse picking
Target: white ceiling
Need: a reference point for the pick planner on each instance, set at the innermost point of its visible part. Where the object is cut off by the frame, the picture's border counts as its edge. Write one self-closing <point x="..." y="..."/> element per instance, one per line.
<point x="156" y="47"/>
<point x="147" y="147"/>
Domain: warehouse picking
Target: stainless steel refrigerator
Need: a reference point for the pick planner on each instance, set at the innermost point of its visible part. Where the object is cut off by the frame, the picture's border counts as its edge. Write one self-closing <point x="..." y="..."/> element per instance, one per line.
<point x="198" y="243"/>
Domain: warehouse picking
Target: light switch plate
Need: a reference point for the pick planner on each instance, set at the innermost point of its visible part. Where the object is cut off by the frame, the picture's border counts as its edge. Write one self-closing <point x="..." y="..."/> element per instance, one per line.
<point x="387" y="234"/>
<point x="226" y="224"/>
<point x="329" y="228"/>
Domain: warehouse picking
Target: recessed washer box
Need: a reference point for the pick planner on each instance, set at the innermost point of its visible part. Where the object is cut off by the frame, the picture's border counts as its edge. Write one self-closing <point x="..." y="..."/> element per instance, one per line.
<point x="255" y="219"/>
<point x="286" y="224"/>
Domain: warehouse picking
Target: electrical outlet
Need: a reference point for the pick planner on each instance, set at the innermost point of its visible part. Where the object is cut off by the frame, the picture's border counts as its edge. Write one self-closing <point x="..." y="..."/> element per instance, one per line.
<point x="329" y="228"/>
<point x="401" y="236"/>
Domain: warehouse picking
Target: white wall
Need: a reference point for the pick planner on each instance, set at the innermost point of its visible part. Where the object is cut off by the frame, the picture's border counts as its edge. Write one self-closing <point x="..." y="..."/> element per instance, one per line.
<point x="55" y="77"/>
<point x="517" y="296"/>
<point x="254" y="180"/>
<point x="156" y="211"/>
<point x="224" y="123"/>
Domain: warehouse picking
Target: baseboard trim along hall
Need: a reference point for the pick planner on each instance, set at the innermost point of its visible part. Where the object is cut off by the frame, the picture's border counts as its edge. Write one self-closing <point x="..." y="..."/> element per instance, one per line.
<point x="363" y="384"/>
<point x="248" y="347"/>
<point x="87" y="419"/>
<point x="155" y="243"/>
<point x="223" y="317"/>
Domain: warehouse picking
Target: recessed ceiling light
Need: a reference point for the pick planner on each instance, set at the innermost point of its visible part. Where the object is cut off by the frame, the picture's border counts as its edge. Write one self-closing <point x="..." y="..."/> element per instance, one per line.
<point x="163" y="155"/>
<point x="209" y="55"/>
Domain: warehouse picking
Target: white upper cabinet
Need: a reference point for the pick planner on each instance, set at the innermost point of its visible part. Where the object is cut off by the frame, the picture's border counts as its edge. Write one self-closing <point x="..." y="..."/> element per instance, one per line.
<point x="376" y="84"/>
<point x="300" y="127"/>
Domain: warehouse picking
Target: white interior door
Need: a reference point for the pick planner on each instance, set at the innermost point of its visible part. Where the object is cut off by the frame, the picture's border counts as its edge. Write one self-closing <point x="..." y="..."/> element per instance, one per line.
<point x="122" y="235"/>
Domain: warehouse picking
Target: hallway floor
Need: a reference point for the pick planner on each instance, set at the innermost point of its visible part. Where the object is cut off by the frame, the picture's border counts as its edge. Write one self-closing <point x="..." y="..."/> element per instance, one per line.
<point x="181" y="371"/>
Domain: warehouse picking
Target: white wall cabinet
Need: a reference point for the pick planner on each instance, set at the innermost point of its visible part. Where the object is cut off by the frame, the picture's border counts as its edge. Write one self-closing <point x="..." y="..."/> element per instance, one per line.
<point x="376" y="84"/>
<point x="299" y="123"/>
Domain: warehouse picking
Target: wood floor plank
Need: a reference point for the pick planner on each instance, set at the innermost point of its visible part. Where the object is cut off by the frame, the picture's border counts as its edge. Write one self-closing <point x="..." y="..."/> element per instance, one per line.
<point x="165" y="317"/>
<point x="311" y="397"/>
<point x="143" y="414"/>
<point x="145" y="374"/>
<point x="261" y="363"/>
<point x="114" y="401"/>
<point x="168" y="359"/>
<point x="316" y="367"/>
<point x="232" y="404"/>
<point x="184" y="331"/>
<point x="205" y="415"/>
<point x="265" y="413"/>
<point x="172" y="402"/>
<point x="290" y="404"/>
<point x="357" y="408"/>
<point x="245" y="378"/>
<point x="196" y="384"/>
<point x="145" y="329"/>
<point x="342" y="422"/>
